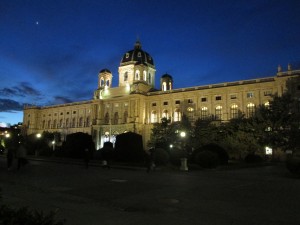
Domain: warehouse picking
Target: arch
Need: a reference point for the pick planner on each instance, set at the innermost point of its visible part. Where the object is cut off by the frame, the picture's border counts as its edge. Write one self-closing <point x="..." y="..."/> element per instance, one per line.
<point x="88" y="121"/>
<point x="73" y="122"/>
<point x="164" y="86"/>
<point x="67" y="122"/>
<point x="49" y="124"/>
<point x="106" y="118"/>
<point x="149" y="78"/>
<point x="204" y="112"/>
<point x="144" y="75"/>
<point x="126" y="76"/>
<point x="101" y="82"/>
<point x="218" y="112"/>
<point x="54" y="124"/>
<point x="165" y="114"/>
<point x="250" y="109"/>
<point x="234" y="111"/>
<point x="137" y="75"/>
<point x="125" y="117"/>
<point x="154" y="117"/>
<point x="116" y="118"/>
<point x="61" y="123"/>
<point x="80" y="122"/>
<point x="177" y="115"/>
<point x="43" y="124"/>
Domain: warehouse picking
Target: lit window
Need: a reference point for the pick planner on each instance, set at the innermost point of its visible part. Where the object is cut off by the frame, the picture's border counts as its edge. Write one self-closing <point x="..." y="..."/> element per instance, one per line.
<point x="177" y="115"/>
<point x="165" y="114"/>
<point x="190" y="109"/>
<point x="204" y="112"/>
<point x="218" y="112"/>
<point x="234" y="111"/>
<point x="250" y="109"/>
<point x="126" y="76"/>
<point x="154" y="117"/>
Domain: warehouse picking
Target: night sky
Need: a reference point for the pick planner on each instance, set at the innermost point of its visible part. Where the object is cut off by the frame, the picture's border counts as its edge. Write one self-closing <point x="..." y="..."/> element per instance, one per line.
<point x="51" y="51"/>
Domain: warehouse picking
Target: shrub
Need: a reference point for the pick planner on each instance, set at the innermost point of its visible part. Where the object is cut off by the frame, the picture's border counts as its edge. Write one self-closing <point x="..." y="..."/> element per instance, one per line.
<point x="221" y="152"/>
<point x="206" y="159"/>
<point x="162" y="157"/>
<point x="175" y="155"/>
<point x="253" y="158"/>
<point x="293" y="164"/>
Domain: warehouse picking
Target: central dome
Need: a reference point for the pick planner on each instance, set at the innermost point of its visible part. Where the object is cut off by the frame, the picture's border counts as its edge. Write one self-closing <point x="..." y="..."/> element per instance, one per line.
<point x="137" y="56"/>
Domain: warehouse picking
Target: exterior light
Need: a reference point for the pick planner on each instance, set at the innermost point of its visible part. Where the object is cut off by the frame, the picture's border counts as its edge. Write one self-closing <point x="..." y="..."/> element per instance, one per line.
<point x="268" y="150"/>
<point x="38" y="135"/>
<point x="7" y="135"/>
<point x="182" y="134"/>
<point x="171" y="146"/>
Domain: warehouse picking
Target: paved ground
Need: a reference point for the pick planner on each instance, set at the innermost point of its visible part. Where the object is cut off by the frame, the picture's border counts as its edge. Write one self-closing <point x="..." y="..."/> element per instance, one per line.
<point x="95" y="196"/>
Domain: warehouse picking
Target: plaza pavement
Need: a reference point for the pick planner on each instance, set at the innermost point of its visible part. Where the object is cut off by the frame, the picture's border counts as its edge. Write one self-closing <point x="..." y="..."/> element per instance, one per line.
<point x="123" y="196"/>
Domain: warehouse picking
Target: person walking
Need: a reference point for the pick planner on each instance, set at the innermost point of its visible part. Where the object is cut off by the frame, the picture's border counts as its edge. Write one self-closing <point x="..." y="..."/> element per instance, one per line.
<point x="21" y="155"/>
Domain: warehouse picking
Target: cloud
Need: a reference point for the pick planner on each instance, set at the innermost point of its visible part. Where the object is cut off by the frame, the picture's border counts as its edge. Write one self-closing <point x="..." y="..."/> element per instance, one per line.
<point x="22" y="90"/>
<point x="60" y="100"/>
<point x="8" y="105"/>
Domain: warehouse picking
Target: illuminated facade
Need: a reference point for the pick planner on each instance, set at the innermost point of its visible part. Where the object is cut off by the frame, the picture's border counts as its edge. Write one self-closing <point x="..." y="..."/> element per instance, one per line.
<point x="135" y="104"/>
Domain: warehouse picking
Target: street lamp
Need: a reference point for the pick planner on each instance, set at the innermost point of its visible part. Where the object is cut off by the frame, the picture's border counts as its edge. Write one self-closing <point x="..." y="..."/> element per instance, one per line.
<point x="53" y="145"/>
<point x="38" y="136"/>
<point x="183" y="166"/>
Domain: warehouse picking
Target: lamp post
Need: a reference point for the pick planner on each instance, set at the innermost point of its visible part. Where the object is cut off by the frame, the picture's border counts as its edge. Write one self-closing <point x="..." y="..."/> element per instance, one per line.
<point x="183" y="160"/>
<point x="38" y="136"/>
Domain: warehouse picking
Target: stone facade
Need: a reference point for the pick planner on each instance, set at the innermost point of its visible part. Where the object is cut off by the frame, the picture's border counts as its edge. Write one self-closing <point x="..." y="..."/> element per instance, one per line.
<point x="135" y="104"/>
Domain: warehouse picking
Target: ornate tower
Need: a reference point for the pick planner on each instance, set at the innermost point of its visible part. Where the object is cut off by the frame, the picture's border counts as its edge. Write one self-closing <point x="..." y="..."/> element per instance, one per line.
<point x="104" y="82"/>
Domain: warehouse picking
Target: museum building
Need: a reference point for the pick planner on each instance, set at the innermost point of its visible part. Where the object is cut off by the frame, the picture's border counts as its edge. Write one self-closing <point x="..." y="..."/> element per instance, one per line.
<point x="135" y="105"/>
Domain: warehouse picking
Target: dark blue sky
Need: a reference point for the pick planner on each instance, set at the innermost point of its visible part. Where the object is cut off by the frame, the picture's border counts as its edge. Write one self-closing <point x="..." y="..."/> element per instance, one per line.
<point x="51" y="51"/>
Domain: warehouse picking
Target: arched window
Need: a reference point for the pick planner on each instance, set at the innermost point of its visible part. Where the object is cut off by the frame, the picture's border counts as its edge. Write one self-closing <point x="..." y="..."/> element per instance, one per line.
<point x="190" y="113"/>
<point x="67" y="123"/>
<point x="61" y="123"/>
<point x="54" y="124"/>
<point x="43" y="124"/>
<point x="153" y="117"/>
<point x="137" y="75"/>
<point x="204" y="113"/>
<point x="234" y="111"/>
<point x="149" y="78"/>
<point x="116" y="118"/>
<point x="125" y="116"/>
<point x="106" y="118"/>
<point x="126" y="76"/>
<point x="164" y="86"/>
<point x="107" y="83"/>
<point x="49" y="124"/>
<point x="165" y="114"/>
<point x="88" y="121"/>
<point x="80" y="122"/>
<point x="218" y="112"/>
<point x="102" y="82"/>
<point x="73" y="122"/>
<point x="145" y="75"/>
<point x="177" y="115"/>
<point x="250" y="109"/>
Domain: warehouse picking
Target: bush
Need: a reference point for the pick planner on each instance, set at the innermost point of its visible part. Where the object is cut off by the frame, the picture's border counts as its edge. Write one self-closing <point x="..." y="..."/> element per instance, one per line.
<point x="206" y="159"/>
<point x="175" y="155"/>
<point x="293" y="164"/>
<point x="221" y="152"/>
<point x="162" y="157"/>
<point x="253" y="158"/>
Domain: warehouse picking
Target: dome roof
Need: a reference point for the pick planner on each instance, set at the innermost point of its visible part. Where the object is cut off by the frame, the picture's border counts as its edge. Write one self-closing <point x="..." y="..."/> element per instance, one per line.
<point x="105" y="70"/>
<point x="167" y="76"/>
<point x="137" y="55"/>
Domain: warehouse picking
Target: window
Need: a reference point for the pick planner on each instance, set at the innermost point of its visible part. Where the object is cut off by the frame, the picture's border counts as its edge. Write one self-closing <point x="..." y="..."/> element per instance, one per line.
<point x="250" y="109"/>
<point x="153" y="117"/>
<point x="61" y="123"/>
<point x="106" y="118"/>
<point x="190" y="100"/>
<point x="44" y="123"/>
<point x="177" y="115"/>
<point x="190" y="109"/>
<point x="126" y="76"/>
<point x="177" y="102"/>
<point x="267" y="93"/>
<point x="74" y="112"/>
<point x="250" y="95"/>
<point x="68" y="113"/>
<point x="67" y="123"/>
<point x="102" y="82"/>
<point x="125" y="116"/>
<point x="154" y="104"/>
<point x="54" y="124"/>
<point x="73" y="122"/>
<point x="137" y="75"/>
<point x="80" y="122"/>
<point x="116" y="118"/>
<point x="164" y="86"/>
<point x="233" y="96"/>
<point x="204" y="113"/>
<point x="61" y="113"/>
<point x="88" y="120"/>
<point x="49" y="124"/>
<point x="165" y="103"/>
<point x="127" y="55"/>
<point x="165" y="114"/>
<point x="267" y="105"/>
<point x="55" y="114"/>
<point x="234" y="111"/>
<point x="218" y="98"/>
<point x="139" y="54"/>
<point x="218" y="112"/>
<point x="204" y="99"/>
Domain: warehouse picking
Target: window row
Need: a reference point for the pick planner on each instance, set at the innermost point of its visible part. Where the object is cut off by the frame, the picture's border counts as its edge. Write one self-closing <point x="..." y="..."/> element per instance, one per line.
<point x="68" y="123"/>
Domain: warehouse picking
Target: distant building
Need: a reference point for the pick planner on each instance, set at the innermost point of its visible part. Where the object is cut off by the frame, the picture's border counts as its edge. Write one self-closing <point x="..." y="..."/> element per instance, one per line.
<point x="135" y="104"/>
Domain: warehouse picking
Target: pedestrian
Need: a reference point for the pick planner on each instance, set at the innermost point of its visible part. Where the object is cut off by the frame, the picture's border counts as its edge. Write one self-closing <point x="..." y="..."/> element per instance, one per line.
<point x="10" y="157"/>
<point x="21" y="155"/>
<point x="86" y="157"/>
